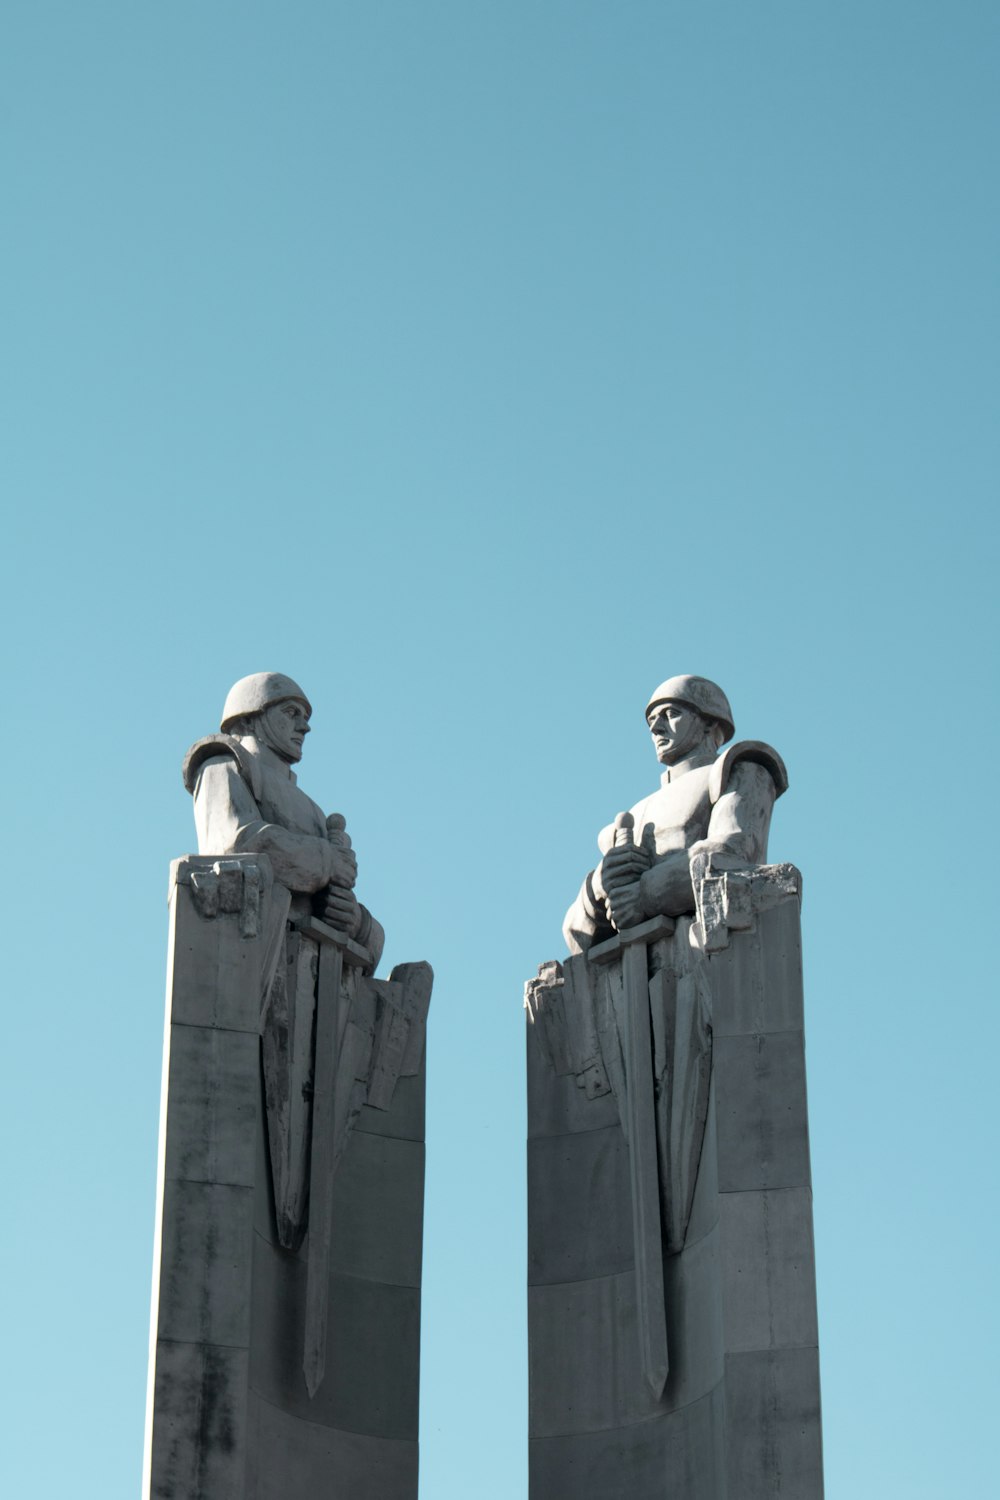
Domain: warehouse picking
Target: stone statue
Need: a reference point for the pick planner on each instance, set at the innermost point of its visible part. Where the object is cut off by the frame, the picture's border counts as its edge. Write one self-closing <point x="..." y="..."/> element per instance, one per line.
<point x="709" y="808"/>
<point x="671" y="1302"/>
<point x="247" y="801"/>
<point x="285" y="1349"/>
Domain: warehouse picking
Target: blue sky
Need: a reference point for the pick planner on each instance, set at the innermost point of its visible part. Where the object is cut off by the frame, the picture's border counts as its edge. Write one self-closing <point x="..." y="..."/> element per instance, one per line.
<point x="480" y="365"/>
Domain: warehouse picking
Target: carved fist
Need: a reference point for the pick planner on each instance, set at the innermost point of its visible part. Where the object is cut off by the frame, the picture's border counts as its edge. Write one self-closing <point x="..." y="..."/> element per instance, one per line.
<point x="622" y="866"/>
<point x="344" y="870"/>
<point x="342" y="910"/>
<point x="625" y="905"/>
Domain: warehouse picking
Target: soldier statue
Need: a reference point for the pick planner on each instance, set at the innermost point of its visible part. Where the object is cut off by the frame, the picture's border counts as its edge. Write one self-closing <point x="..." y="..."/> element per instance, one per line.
<point x="247" y="800"/>
<point x="709" y="808"/>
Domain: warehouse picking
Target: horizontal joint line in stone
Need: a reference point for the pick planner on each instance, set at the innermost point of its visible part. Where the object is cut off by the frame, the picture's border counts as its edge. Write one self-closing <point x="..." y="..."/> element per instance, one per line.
<point x="246" y="1187"/>
<point x="562" y="1135"/>
<point x="405" y="1286"/>
<point x="771" y="1187"/>
<point x="793" y="1187"/>
<point x="629" y="1264"/>
<point x="375" y="1437"/>
<point x="657" y="1416"/>
<point x="201" y="1344"/>
<point x="211" y="1026"/>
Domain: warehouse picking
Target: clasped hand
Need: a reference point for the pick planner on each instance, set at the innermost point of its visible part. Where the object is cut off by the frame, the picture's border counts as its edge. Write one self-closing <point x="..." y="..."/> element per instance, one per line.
<point x="620" y="875"/>
<point x="341" y="907"/>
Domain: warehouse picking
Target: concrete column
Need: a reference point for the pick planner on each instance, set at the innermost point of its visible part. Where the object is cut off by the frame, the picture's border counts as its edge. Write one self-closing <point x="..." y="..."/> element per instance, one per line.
<point x="230" y="1416"/>
<point x="738" y="1418"/>
<point x="196" y="1423"/>
<point x="774" y="1442"/>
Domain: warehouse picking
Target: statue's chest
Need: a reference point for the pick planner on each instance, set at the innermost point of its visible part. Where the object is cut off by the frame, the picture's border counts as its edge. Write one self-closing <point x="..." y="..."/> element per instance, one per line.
<point x="284" y="803"/>
<point x="679" y="811"/>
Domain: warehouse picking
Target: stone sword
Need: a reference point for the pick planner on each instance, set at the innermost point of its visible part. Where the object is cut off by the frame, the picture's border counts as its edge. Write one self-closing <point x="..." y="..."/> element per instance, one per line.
<point x="323" y="1147"/>
<point x="645" y="1183"/>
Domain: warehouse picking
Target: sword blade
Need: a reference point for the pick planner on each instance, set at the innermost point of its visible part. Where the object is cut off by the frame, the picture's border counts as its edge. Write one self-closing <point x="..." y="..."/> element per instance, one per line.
<point x="331" y="963"/>
<point x="645" y="1182"/>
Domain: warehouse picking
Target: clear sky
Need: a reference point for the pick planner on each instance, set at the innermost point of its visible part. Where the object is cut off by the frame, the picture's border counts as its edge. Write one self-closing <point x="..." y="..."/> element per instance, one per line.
<point x="480" y="365"/>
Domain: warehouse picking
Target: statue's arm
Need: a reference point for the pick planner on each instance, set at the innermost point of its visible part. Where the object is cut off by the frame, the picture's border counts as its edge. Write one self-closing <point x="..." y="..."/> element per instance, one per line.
<point x="738" y="826"/>
<point x="741" y="818"/>
<point x="587" y="921"/>
<point x="371" y="935"/>
<point x="229" y="821"/>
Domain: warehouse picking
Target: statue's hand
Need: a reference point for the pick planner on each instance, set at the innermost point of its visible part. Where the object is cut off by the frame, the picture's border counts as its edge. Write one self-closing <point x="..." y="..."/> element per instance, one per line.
<point x="622" y="866"/>
<point x="344" y="871"/>
<point x="625" y="905"/>
<point x="342" y="910"/>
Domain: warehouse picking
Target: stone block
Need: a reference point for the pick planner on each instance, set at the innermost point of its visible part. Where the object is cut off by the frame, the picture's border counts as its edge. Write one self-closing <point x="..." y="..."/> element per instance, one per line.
<point x="404" y="1120"/>
<point x="579" y="1206"/>
<point x="378" y="1198"/>
<point x="212" y="1105"/>
<point x="291" y="1459"/>
<point x="768" y="1271"/>
<point x="557" y="1103"/>
<point x="705" y="1203"/>
<point x="372" y="1354"/>
<point x="773" y="1421"/>
<point x="213" y="975"/>
<point x="760" y="1089"/>
<point x="585" y="1366"/>
<point x="377" y="1211"/>
<point x="199" y="1440"/>
<point x="206" y="1263"/>
<point x="757" y="980"/>
<point x="676" y="1456"/>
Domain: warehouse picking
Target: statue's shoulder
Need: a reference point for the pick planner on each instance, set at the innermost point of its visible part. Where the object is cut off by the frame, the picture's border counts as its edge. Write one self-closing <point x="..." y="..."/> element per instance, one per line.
<point x="747" y="750"/>
<point x="221" y="746"/>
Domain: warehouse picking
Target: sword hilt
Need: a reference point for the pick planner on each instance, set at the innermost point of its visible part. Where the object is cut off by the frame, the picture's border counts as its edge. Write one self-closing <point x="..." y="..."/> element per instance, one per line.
<point x="624" y="824"/>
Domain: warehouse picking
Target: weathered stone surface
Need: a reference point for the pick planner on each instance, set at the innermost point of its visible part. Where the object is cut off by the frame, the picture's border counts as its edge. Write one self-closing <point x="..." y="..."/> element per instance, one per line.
<point x="562" y="1103"/>
<point x="205" y="1283"/>
<point x="200" y="1435"/>
<point x="769" y="1276"/>
<point x="760" y="1084"/>
<point x="373" y="1357"/>
<point x="585" y="1230"/>
<point x="293" y="1460"/>
<point x="212" y="1105"/>
<point x="773" y="1425"/>
<point x="757" y="987"/>
<point x="406" y="1119"/>
<point x="678" y="1456"/>
<point x="384" y="1244"/>
<point x="221" y="967"/>
<point x="585" y="1373"/>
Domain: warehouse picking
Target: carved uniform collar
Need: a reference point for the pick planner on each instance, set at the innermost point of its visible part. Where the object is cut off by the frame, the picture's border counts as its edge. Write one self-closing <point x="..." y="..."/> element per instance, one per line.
<point x="269" y="758"/>
<point x="692" y="763"/>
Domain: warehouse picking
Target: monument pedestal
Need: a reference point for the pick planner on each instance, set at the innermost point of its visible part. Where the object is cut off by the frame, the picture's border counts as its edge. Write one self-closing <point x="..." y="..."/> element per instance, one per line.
<point x="234" y="1321"/>
<point x="677" y="1234"/>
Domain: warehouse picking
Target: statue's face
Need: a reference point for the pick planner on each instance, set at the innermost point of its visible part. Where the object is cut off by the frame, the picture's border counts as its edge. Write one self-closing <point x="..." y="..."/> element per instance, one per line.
<point x="677" y="731"/>
<point x="283" y="727"/>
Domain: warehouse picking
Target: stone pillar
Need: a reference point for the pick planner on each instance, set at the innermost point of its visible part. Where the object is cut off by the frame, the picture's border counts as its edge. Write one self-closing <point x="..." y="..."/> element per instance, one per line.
<point x="737" y="1417"/>
<point x="774" y="1442"/>
<point x="230" y="1415"/>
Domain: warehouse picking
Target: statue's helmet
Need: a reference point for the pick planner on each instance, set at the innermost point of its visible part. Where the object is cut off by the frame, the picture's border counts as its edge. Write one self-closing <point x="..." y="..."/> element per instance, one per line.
<point x="698" y="693"/>
<point x="258" y="691"/>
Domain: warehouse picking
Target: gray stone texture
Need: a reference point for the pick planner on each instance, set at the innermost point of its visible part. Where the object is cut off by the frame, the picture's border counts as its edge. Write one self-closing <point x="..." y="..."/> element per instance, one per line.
<point x="230" y="1416"/>
<point x="739" y="1416"/>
